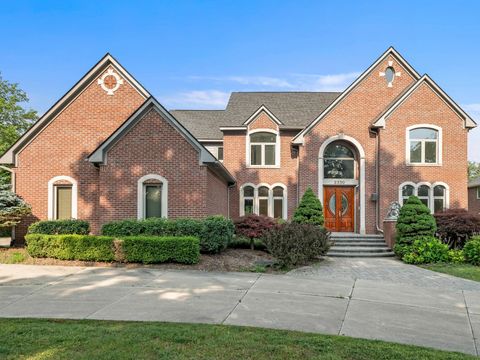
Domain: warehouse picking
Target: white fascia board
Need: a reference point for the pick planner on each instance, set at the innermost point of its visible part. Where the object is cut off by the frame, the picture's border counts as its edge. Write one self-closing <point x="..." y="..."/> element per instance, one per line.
<point x="298" y="140"/>
<point x="232" y="128"/>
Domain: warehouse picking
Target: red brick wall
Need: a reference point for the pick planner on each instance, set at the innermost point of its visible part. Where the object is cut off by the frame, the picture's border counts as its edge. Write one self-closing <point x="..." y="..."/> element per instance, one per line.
<point x="217" y="195"/>
<point x="62" y="147"/>
<point x="352" y="117"/>
<point x="153" y="146"/>
<point x="473" y="202"/>
<point x="423" y="107"/>
<point x="234" y="147"/>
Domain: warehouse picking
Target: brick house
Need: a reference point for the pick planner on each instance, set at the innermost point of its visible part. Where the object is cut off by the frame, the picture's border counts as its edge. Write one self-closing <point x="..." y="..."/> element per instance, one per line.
<point x="108" y="150"/>
<point x="474" y="196"/>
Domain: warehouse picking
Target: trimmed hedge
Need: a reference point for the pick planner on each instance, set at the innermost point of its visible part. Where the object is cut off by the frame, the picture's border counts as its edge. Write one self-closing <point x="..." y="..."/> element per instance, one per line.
<point x="214" y="232"/>
<point x="150" y="250"/>
<point x="57" y="227"/>
<point x="71" y="247"/>
<point x="414" y="221"/>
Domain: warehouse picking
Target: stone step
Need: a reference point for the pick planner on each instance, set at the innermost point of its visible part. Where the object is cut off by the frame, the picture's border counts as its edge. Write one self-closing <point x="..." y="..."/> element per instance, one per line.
<point x="355" y="249"/>
<point x="361" y="254"/>
<point x="360" y="243"/>
<point x="355" y="236"/>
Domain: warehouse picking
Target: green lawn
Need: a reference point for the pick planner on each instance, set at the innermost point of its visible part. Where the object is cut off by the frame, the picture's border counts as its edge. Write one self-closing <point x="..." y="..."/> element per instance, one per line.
<point x="72" y="339"/>
<point x="465" y="271"/>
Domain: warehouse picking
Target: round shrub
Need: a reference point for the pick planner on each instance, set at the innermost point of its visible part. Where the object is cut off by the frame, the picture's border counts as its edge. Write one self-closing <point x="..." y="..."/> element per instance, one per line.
<point x="310" y="210"/>
<point x="295" y="244"/>
<point x="471" y="251"/>
<point x="414" y="221"/>
<point x="253" y="227"/>
<point x="216" y="233"/>
<point x="456" y="256"/>
<point x="426" y="249"/>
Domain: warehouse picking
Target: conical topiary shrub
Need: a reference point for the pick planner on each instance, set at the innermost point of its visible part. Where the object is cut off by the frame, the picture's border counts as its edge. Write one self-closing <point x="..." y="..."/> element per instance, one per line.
<point x="310" y="210"/>
<point x="414" y="221"/>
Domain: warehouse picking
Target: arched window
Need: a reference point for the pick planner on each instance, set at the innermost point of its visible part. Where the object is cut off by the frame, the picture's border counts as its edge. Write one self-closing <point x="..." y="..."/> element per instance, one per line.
<point x="264" y="149"/>
<point x="264" y="200"/>
<point x="339" y="162"/>
<point x="389" y="75"/>
<point x="62" y="198"/>
<point x="152" y="197"/>
<point x="248" y="199"/>
<point x="439" y="198"/>
<point x="423" y="145"/>
<point x="423" y="193"/>
<point x="407" y="191"/>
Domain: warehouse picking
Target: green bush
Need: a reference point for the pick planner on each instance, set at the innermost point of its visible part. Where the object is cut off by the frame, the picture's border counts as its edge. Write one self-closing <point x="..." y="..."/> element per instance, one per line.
<point x="58" y="227"/>
<point x="242" y="242"/>
<point x="150" y="250"/>
<point x="414" y="221"/>
<point x="471" y="250"/>
<point x="294" y="244"/>
<point x="456" y="256"/>
<point x="310" y="210"/>
<point x="426" y="249"/>
<point x="214" y="232"/>
<point x="71" y="247"/>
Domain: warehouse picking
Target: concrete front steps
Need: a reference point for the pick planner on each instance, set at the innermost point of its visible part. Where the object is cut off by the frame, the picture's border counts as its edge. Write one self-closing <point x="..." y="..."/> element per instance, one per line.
<point x="356" y="245"/>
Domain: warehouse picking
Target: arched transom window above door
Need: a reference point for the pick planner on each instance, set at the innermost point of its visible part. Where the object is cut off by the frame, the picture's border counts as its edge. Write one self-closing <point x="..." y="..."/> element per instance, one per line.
<point x="339" y="161"/>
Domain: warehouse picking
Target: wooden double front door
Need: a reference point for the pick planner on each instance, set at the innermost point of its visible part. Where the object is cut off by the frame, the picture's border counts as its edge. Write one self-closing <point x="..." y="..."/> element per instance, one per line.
<point x="339" y="208"/>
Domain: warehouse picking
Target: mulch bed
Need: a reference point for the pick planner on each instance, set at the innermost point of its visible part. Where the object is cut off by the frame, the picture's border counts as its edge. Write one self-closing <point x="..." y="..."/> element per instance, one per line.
<point x="227" y="260"/>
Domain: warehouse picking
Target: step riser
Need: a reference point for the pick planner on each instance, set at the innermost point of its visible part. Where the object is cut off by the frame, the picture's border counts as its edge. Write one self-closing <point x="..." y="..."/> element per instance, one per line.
<point x="359" y="245"/>
<point x="363" y="250"/>
<point x="360" y="255"/>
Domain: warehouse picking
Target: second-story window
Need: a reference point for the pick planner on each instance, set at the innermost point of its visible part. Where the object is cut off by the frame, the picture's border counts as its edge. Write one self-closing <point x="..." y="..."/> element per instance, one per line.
<point x="263" y="149"/>
<point x="423" y="146"/>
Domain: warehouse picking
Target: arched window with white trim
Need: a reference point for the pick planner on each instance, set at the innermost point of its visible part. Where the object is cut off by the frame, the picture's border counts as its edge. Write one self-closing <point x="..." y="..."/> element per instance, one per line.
<point x="435" y="196"/>
<point x="263" y="148"/>
<point x="424" y="144"/>
<point x="264" y="199"/>
<point x="62" y="198"/>
<point x="152" y="197"/>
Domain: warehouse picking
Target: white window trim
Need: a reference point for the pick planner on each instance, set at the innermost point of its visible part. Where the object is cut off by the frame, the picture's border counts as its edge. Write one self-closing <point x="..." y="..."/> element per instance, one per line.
<point x="478" y="193"/>
<point x="270" y="199"/>
<point x="277" y="150"/>
<point x="52" y="196"/>
<point x="431" y="197"/>
<point x="213" y="149"/>
<point x="439" y="145"/>
<point x="141" y="195"/>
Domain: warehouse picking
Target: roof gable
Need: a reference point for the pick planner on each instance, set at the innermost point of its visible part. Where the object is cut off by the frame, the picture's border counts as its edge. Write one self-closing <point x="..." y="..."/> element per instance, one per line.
<point x="9" y="157"/>
<point x="425" y="79"/>
<point x="390" y="51"/>
<point x="261" y="109"/>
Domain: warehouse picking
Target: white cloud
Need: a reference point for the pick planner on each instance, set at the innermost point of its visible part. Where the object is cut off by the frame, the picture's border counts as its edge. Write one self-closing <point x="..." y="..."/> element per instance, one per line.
<point x="474" y="136"/>
<point x="197" y="99"/>
<point x="291" y="82"/>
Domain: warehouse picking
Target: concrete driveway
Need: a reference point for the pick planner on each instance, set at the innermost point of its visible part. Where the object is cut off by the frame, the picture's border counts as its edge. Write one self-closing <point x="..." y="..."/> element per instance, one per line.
<point x="373" y="309"/>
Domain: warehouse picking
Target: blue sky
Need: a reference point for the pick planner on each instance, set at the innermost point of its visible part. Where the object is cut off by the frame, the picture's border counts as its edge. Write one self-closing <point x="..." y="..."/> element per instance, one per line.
<point x="191" y="54"/>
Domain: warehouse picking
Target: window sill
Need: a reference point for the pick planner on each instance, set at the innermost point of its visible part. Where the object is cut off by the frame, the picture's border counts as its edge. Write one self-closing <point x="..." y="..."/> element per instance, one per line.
<point x="263" y="166"/>
<point x="423" y="164"/>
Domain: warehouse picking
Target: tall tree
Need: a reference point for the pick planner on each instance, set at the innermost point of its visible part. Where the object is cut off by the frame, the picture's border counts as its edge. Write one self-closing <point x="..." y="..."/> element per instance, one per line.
<point x="14" y="118"/>
<point x="473" y="170"/>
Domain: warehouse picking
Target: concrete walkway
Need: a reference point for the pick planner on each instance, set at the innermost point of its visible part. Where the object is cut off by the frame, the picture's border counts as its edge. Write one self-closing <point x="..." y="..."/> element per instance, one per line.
<point x="373" y="309"/>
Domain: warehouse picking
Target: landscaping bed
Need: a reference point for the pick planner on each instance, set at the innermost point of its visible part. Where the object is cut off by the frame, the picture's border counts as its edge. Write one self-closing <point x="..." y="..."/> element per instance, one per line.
<point x="228" y="260"/>
<point x="88" y="339"/>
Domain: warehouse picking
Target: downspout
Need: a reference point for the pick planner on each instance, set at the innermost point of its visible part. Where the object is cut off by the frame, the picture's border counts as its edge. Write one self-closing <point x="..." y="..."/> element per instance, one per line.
<point x="228" y="199"/>
<point x="377" y="178"/>
<point x="298" y="176"/>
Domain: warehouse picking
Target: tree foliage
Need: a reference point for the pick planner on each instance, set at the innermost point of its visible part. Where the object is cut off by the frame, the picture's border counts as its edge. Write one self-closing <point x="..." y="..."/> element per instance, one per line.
<point x="12" y="207"/>
<point x="414" y="221"/>
<point x="253" y="226"/>
<point x="456" y="226"/>
<point x="310" y="210"/>
<point x="14" y="118"/>
<point x="473" y="170"/>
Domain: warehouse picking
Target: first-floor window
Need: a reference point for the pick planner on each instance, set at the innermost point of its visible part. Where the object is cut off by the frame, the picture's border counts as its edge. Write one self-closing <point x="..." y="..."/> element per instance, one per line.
<point x="63" y="202"/>
<point x="152" y="197"/>
<point x="263" y="200"/>
<point x="435" y="196"/>
<point x="478" y="192"/>
<point x="153" y="200"/>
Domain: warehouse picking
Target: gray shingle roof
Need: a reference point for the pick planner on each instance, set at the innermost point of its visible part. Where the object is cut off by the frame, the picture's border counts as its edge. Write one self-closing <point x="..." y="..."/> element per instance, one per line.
<point x="291" y="108"/>
<point x="474" y="182"/>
